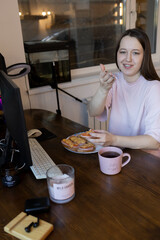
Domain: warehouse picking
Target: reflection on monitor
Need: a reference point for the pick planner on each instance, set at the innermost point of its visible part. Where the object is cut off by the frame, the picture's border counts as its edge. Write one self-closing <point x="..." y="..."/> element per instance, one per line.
<point x="15" y="146"/>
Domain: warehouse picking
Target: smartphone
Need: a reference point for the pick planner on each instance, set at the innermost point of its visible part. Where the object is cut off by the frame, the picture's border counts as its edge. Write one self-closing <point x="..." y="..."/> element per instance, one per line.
<point x="34" y="205"/>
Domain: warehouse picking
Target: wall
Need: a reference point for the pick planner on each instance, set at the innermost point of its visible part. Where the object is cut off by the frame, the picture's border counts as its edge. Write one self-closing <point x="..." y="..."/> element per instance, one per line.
<point x="69" y="107"/>
<point x="11" y="42"/>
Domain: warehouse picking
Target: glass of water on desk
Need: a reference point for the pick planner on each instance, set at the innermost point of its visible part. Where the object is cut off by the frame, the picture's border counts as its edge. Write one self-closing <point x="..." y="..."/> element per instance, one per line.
<point x="61" y="184"/>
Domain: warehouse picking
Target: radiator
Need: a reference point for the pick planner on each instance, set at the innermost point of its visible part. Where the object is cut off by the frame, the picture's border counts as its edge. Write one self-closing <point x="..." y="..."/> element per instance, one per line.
<point x="93" y="122"/>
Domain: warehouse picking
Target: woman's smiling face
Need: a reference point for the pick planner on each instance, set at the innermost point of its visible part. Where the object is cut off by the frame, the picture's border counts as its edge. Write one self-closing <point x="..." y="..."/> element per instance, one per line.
<point x="129" y="58"/>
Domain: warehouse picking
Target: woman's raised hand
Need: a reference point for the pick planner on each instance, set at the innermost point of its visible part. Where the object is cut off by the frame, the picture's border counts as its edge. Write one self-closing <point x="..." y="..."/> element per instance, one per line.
<point x="96" y="105"/>
<point x="106" y="79"/>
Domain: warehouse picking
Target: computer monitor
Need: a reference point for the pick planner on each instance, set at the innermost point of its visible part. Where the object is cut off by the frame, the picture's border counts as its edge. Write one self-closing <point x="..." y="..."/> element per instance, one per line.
<point x="15" y="146"/>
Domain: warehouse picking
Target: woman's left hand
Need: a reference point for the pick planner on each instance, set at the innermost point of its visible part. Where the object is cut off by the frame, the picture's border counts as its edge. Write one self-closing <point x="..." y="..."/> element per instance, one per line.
<point x="105" y="138"/>
<point x="101" y="137"/>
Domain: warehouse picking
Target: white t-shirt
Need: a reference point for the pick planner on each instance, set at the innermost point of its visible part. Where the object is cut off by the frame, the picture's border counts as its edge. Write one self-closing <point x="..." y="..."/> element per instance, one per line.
<point x="135" y="107"/>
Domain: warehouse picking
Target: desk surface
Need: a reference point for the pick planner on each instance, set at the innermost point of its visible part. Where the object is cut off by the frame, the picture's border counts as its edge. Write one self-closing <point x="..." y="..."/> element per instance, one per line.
<point x="121" y="207"/>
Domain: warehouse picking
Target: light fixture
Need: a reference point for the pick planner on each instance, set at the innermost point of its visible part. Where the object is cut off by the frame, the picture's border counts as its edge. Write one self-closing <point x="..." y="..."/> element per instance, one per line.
<point x="121" y="9"/>
<point x="121" y="21"/>
<point x="44" y="13"/>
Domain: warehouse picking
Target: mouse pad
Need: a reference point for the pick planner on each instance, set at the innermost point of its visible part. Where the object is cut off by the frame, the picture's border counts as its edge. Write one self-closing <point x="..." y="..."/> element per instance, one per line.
<point x="46" y="134"/>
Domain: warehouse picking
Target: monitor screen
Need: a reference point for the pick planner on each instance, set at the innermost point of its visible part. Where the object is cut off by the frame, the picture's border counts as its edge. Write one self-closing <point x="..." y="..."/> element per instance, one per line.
<point x="15" y="147"/>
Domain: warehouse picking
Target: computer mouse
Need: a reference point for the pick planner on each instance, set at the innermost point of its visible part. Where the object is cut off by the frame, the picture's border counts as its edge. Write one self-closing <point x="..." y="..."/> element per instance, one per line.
<point x="34" y="133"/>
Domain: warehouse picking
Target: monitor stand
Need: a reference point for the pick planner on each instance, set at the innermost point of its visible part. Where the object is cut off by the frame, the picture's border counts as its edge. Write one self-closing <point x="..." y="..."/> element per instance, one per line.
<point x="9" y="163"/>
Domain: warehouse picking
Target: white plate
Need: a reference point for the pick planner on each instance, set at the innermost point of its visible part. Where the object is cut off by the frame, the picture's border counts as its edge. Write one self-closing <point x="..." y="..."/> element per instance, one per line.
<point x="98" y="147"/>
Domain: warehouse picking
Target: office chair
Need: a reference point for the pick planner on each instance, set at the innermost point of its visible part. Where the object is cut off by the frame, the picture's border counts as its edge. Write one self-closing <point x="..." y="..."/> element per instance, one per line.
<point x="25" y="68"/>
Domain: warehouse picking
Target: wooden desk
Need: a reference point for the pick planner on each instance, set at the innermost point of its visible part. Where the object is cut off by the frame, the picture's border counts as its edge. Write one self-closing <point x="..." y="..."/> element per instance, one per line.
<point x="121" y="207"/>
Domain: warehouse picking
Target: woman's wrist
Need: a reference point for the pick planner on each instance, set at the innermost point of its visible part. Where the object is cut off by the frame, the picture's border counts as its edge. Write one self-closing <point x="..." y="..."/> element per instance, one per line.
<point x="114" y="140"/>
<point x="103" y="91"/>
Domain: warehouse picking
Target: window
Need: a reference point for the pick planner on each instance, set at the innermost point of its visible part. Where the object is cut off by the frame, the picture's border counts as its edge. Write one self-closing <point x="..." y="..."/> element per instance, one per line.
<point x="147" y="17"/>
<point x="92" y="27"/>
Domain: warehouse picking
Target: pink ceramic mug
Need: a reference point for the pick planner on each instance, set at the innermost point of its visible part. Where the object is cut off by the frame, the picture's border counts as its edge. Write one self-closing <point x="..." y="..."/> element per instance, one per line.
<point x="110" y="160"/>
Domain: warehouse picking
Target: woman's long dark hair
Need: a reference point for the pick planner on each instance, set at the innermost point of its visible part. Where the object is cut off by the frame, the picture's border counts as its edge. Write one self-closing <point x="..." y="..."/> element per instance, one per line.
<point x="147" y="69"/>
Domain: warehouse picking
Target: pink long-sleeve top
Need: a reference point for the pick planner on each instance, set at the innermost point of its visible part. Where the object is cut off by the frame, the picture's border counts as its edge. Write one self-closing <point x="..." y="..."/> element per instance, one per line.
<point x="135" y="107"/>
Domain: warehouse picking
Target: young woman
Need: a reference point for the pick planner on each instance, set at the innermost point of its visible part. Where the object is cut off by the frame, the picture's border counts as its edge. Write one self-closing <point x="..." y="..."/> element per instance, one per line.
<point x="132" y="95"/>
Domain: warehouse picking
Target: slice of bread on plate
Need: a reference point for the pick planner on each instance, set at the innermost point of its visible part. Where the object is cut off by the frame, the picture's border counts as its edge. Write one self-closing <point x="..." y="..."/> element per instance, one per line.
<point x="77" y="143"/>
